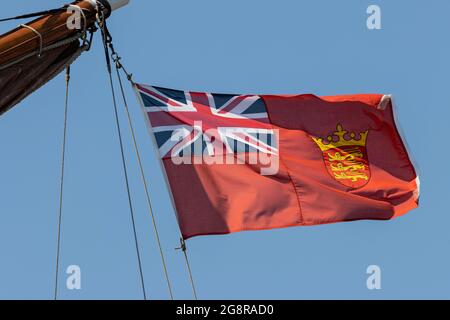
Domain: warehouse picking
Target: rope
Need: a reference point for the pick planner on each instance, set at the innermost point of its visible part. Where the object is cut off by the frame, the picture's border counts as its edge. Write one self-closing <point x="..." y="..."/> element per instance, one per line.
<point x="183" y="246"/>
<point x="102" y="23"/>
<point x="107" y="40"/>
<point x="35" y="14"/>
<point x="45" y="49"/>
<point x="41" y="39"/>
<point x="116" y="59"/>
<point x="61" y="193"/>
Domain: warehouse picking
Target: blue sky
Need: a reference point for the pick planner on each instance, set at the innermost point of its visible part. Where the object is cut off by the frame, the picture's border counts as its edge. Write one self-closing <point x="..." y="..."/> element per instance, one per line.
<point x="258" y="46"/>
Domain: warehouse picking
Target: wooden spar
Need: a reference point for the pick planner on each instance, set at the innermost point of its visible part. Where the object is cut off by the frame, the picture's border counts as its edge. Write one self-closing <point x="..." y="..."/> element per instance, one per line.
<point x="53" y="27"/>
<point x="22" y="41"/>
<point x="33" y="54"/>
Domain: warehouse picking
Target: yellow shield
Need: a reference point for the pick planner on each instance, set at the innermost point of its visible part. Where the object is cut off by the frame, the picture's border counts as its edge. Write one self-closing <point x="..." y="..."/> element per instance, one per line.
<point x="345" y="157"/>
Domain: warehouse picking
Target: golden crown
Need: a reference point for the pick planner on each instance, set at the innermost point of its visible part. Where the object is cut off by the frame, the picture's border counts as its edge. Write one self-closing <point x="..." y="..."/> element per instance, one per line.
<point x="340" y="133"/>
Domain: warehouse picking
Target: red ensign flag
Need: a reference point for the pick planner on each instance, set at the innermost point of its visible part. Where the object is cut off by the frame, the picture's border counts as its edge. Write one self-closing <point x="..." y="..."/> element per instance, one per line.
<point x="253" y="162"/>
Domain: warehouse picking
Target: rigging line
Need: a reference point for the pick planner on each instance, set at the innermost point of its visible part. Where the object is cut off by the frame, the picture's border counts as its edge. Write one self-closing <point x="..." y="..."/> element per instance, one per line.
<point x="119" y="132"/>
<point x="144" y="180"/>
<point x="61" y="191"/>
<point x="183" y="246"/>
<point x="35" y="14"/>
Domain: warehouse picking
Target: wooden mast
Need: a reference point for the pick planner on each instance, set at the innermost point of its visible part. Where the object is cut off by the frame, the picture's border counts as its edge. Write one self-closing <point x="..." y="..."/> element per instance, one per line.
<point x="53" y="27"/>
<point x="22" y="41"/>
<point x="32" y="54"/>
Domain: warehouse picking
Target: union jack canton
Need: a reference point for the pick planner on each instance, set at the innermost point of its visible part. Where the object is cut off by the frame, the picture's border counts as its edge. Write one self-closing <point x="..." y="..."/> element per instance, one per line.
<point x="193" y="123"/>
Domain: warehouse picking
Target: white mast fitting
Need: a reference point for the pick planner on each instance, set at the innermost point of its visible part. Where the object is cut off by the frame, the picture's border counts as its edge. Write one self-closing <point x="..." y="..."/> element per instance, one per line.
<point x="117" y="4"/>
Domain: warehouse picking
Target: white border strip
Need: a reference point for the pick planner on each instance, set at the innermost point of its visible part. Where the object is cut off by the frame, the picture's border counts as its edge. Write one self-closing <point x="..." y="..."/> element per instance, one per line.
<point x="384" y="101"/>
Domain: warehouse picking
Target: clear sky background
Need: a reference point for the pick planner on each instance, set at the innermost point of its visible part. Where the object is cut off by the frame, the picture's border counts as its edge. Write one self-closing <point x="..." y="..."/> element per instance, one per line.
<point x="258" y="46"/>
